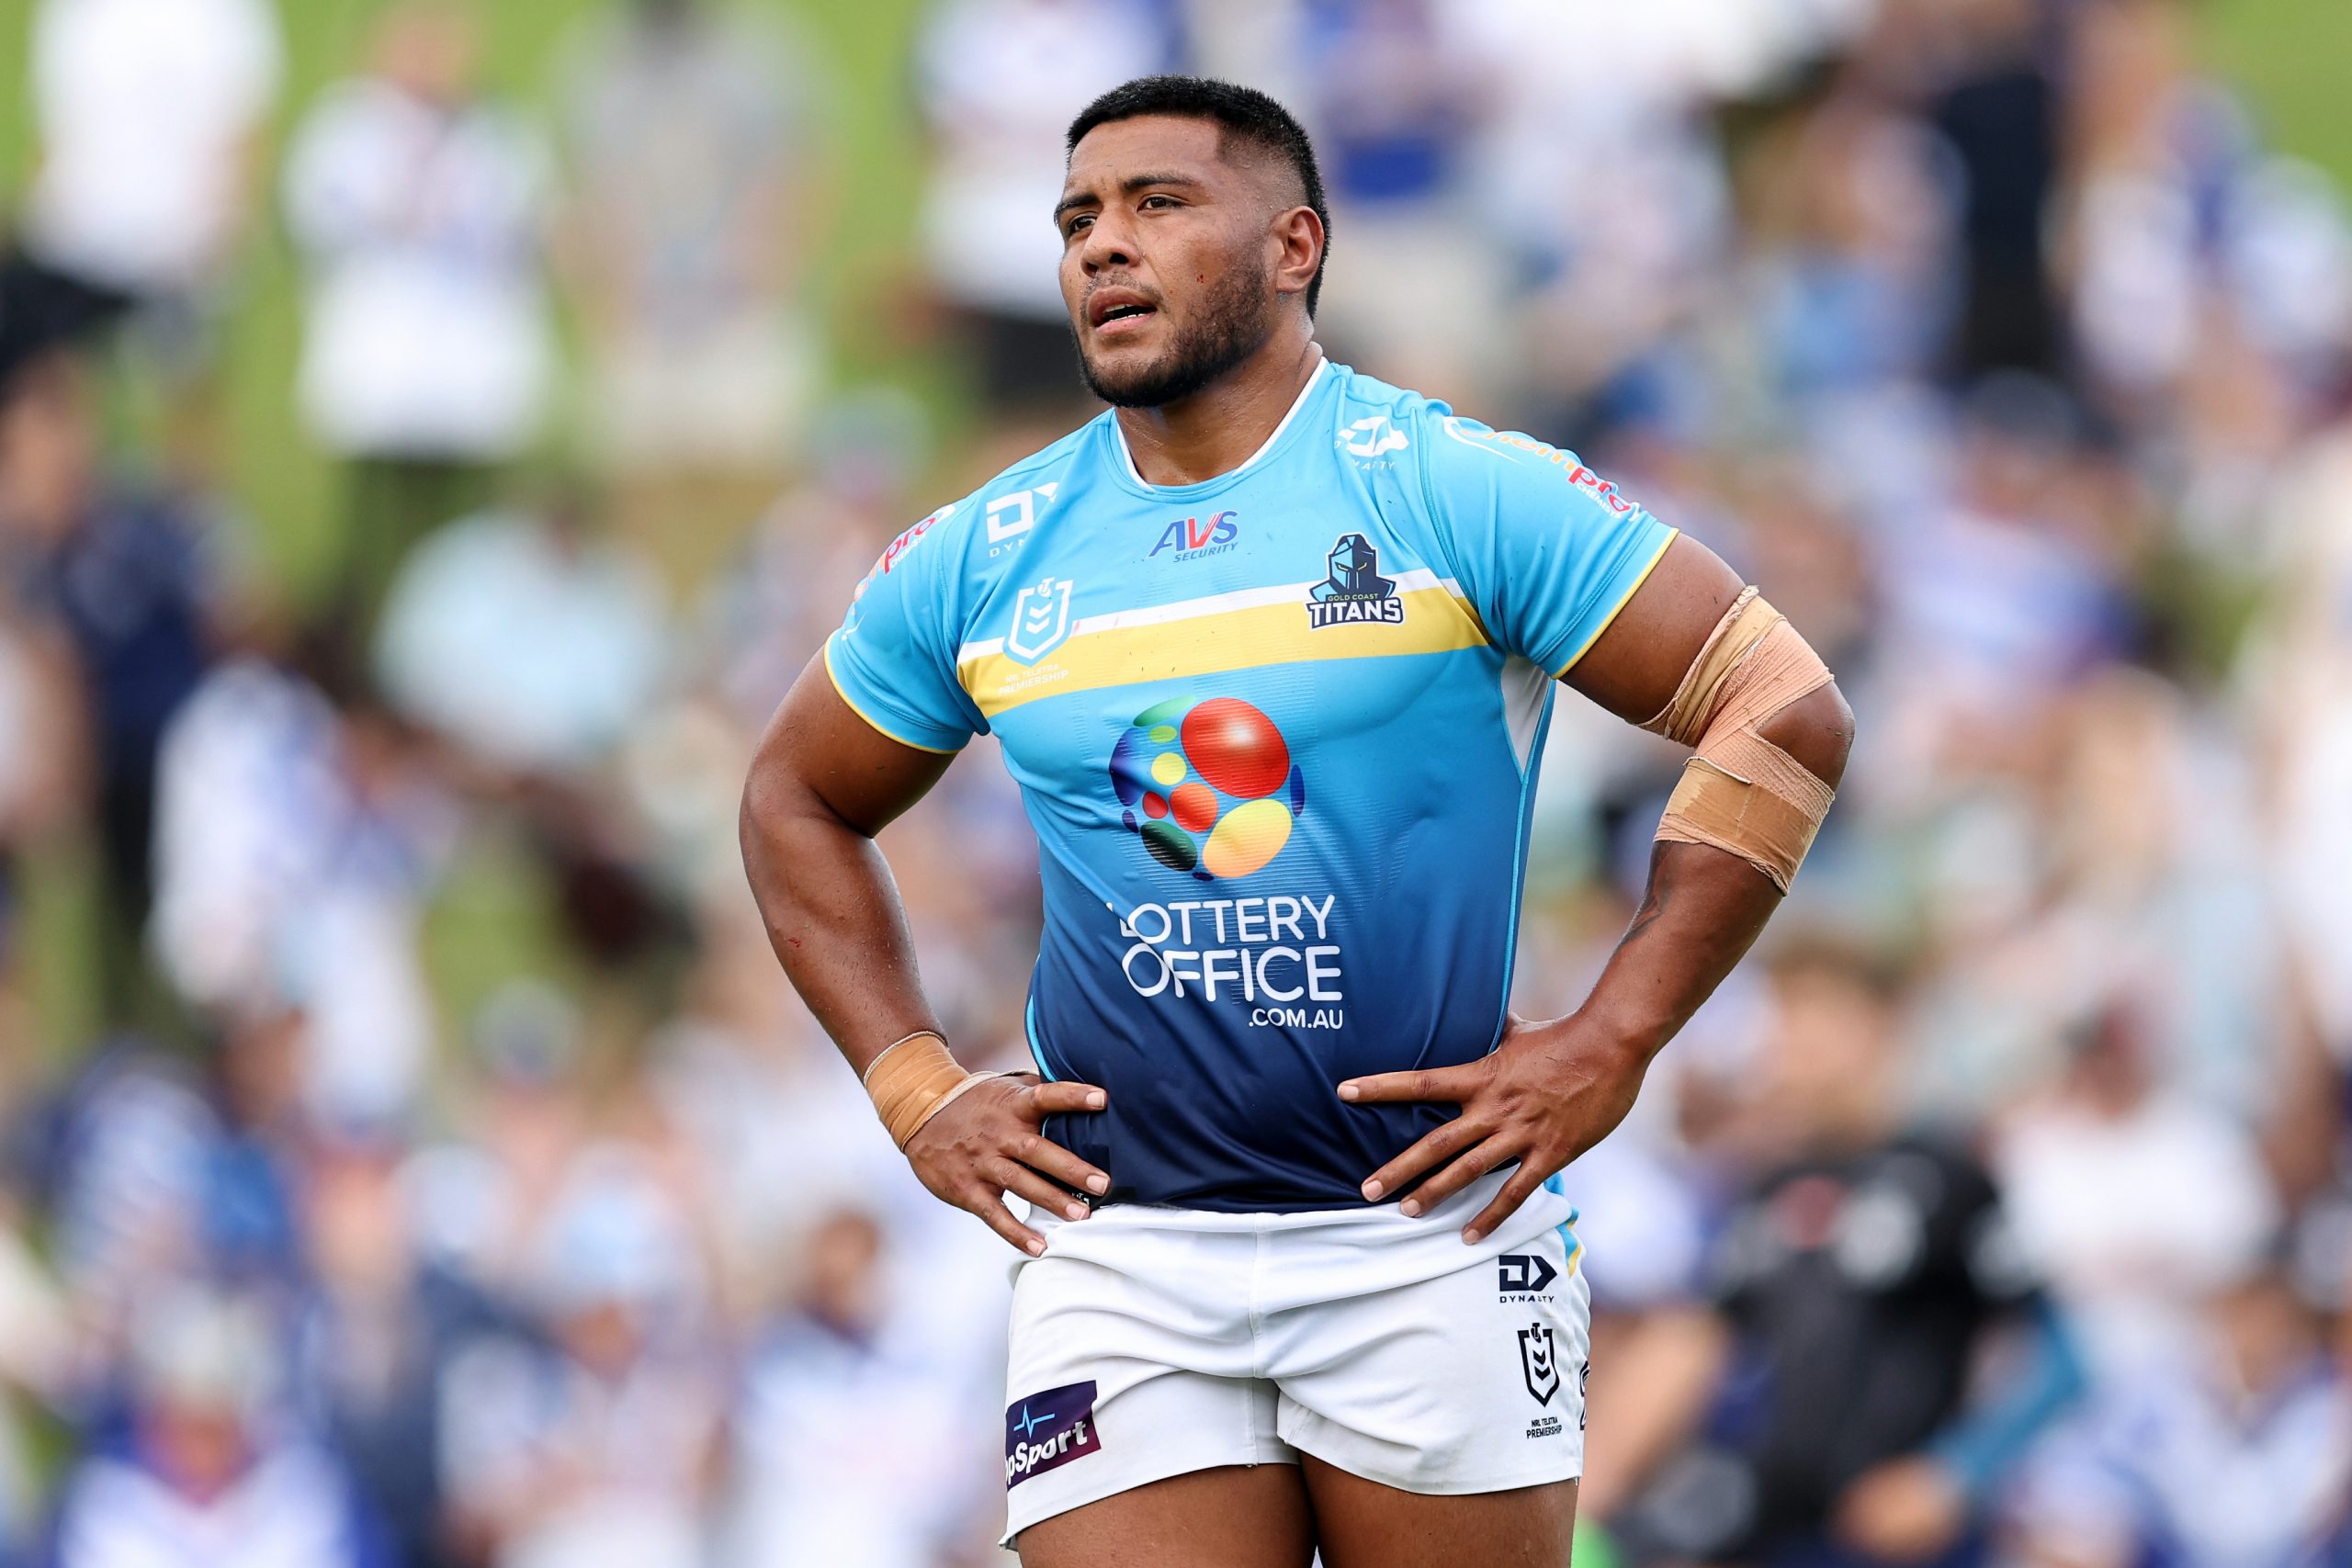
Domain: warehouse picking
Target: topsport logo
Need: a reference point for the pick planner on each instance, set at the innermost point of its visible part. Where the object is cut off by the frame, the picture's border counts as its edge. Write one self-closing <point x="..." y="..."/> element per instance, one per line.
<point x="1209" y="787"/>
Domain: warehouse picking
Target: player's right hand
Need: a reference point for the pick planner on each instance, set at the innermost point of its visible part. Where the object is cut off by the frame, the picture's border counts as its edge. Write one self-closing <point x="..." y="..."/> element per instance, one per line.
<point x="991" y="1142"/>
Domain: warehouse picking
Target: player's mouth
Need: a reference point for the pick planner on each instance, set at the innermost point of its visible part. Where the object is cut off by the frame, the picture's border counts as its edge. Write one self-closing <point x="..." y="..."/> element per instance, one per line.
<point x="1118" y="312"/>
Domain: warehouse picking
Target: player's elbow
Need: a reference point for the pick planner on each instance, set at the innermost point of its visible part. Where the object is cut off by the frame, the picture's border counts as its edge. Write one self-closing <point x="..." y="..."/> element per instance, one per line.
<point x="1817" y="731"/>
<point x="773" y="796"/>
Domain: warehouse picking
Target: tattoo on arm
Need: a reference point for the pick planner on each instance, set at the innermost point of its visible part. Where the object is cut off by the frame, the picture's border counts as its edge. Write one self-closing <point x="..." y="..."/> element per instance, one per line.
<point x="1653" y="905"/>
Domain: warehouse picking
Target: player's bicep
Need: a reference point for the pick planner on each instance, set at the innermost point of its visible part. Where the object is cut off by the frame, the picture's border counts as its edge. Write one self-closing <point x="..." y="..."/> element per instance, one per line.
<point x="819" y="754"/>
<point x="1638" y="663"/>
<point x="1634" y="665"/>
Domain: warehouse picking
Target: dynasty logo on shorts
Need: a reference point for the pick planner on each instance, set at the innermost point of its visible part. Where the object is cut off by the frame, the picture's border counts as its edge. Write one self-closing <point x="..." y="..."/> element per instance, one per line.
<point x="1048" y="1429"/>
<point x="1524" y="1277"/>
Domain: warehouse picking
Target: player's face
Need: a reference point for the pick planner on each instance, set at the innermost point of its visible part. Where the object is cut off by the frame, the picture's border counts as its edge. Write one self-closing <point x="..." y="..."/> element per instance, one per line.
<point x="1168" y="262"/>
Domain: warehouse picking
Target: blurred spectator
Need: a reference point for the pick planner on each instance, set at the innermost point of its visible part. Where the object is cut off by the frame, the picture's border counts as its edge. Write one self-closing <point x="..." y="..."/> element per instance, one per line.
<point x="1392" y="102"/>
<point x="1996" y="107"/>
<point x="599" y="1448"/>
<point x="2238" y="1454"/>
<point x="832" y="1366"/>
<point x="373" y="1339"/>
<point x="40" y="777"/>
<point x="1603" y="189"/>
<point x="205" y="1473"/>
<point x="297" y="844"/>
<point x="525" y="637"/>
<point x="692" y="128"/>
<point x="1861" y="1275"/>
<point x="37" y="1361"/>
<point x="2108" y="1176"/>
<point x="2001" y="595"/>
<point x="427" y="358"/>
<point x="482" y="1197"/>
<point x="128" y="580"/>
<point x="1000" y="82"/>
<point x="150" y="114"/>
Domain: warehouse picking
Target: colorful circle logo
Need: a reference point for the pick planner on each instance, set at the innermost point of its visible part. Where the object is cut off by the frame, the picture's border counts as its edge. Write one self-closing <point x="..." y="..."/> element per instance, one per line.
<point x="1210" y="788"/>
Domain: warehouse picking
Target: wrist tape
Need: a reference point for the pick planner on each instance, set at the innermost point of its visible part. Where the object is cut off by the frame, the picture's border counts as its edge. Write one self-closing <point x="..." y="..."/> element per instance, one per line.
<point x="914" y="1080"/>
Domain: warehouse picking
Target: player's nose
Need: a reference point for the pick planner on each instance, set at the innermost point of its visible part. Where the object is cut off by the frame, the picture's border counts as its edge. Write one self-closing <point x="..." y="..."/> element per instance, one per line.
<point x="1109" y="241"/>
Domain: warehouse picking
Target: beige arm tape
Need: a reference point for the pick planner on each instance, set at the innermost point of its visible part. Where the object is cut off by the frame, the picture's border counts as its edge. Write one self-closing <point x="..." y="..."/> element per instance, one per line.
<point x="1741" y="793"/>
<point x="914" y="1080"/>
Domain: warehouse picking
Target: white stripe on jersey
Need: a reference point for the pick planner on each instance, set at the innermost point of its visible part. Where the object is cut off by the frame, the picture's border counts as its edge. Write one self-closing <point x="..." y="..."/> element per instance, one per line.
<point x="1215" y="604"/>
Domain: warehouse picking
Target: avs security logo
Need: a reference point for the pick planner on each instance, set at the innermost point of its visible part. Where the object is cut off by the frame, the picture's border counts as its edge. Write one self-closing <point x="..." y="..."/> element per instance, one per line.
<point x="1355" y="591"/>
<point x="1191" y="538"/>
<point x="1208" y="786"/>
<point x="1048" y="1430"/>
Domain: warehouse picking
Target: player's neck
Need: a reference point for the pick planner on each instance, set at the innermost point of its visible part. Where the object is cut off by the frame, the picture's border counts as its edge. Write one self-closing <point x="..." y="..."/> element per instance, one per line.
<point x="1221" y="427"/>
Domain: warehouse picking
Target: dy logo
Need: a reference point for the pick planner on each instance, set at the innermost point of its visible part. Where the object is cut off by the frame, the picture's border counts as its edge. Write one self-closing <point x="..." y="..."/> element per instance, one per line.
<point x="1526" y="1273"/>
<point x="1375" y="435"/>
<point x="1539" y="1361"/>
<point x="1040" y="620"/>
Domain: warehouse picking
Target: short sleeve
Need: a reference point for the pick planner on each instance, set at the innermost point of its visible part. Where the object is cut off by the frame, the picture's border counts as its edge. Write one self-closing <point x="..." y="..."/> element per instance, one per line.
<point x="1546" y="550"/>
<point x="893" y="661"/>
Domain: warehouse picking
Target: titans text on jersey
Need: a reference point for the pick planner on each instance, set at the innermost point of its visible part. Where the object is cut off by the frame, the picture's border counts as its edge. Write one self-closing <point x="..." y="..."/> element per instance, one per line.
<point x="1277" y="733"/>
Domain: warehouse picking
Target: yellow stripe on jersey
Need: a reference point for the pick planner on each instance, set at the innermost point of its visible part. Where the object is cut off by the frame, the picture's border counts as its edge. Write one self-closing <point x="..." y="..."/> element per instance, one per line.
<point x="851" y="703"/>
<point x="1615" y="610"/>
<point x="1437" y="620"/>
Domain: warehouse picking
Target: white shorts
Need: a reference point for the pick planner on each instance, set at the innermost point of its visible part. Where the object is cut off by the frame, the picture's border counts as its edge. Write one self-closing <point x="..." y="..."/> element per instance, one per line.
<point x="1149" y="1342"/>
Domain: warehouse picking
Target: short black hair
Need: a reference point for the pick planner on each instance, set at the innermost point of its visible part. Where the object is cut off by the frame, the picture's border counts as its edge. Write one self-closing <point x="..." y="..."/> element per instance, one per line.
<point x="1242" y="114"/>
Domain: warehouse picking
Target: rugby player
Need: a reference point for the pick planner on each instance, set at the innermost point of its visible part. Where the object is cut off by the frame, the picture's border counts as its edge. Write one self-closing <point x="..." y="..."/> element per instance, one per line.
<point x="1271" y="648"/>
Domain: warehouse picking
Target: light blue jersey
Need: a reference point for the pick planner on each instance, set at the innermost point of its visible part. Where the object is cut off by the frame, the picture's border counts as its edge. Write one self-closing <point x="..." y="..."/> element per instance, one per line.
<point x="1277" y="732"/>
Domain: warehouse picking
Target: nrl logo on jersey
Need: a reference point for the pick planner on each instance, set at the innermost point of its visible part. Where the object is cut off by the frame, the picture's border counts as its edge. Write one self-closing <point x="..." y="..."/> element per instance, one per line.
<point x="1040" y="620"/>
<point x="1355" y="591"/>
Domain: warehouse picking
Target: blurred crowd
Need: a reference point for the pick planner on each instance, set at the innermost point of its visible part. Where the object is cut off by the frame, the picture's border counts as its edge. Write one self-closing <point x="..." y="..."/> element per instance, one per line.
<point x="452" y="1179"/>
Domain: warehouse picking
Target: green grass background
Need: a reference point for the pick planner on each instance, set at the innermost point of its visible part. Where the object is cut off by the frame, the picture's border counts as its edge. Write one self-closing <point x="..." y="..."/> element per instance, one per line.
<point x="2286" y="55"/>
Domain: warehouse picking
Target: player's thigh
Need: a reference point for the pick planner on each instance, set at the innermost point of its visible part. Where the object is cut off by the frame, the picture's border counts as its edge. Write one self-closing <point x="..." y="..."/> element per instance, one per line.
<point x="1233" y="1517"/>
<point x="1363" y="1524"/>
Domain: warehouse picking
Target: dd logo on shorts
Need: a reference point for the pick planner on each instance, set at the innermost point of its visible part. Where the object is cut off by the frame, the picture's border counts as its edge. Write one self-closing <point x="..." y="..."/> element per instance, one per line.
<point x="1524" y="1273"/>
<point x="1539" y="1361"/>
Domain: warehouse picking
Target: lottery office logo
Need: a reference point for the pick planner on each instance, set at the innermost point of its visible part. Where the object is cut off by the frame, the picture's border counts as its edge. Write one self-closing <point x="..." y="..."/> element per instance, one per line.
<point x="1210" y="790"/>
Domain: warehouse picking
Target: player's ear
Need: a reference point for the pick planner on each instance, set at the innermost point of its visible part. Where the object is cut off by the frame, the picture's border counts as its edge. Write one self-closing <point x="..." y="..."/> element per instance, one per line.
<point x="1297" y="236"/>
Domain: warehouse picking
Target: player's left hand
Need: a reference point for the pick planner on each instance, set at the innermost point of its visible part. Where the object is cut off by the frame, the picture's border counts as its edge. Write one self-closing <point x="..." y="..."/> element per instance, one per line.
<point x="1545" y="1095"/>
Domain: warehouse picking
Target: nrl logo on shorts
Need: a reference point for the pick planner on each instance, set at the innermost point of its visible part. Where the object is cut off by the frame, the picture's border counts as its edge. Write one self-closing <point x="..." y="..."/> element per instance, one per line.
<point x="1356" y="591"/>
<point x="1539" y="1361"/>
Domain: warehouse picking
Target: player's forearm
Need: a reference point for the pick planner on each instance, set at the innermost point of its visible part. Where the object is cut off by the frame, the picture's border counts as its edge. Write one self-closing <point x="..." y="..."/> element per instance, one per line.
<point x="1701" y="912"/>
<point x="834" y="917"/>
<point x="1704" y="906"/>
